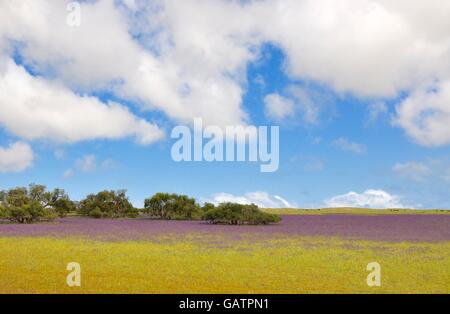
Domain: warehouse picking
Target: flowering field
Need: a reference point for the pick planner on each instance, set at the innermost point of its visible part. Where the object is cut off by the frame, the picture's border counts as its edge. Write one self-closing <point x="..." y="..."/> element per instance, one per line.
<point x="395" y="228"/>
<point x="298" y="256"/>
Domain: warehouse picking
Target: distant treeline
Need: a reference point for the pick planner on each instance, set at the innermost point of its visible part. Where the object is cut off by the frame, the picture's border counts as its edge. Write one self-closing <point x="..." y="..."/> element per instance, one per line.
<point x="36" y="203"/>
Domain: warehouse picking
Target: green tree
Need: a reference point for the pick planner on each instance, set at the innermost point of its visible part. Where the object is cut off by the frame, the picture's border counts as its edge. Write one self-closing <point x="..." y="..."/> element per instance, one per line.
<point x="238" y="214"/>
<point x="207" y="206"/>
<point x="172" y="206"/>
<point x="35" y="203"/>
<point x="107" y="204"/>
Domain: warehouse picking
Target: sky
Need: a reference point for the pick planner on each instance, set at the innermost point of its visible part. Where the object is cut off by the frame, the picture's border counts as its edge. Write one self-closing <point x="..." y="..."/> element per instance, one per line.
<point x="91" y="90"/>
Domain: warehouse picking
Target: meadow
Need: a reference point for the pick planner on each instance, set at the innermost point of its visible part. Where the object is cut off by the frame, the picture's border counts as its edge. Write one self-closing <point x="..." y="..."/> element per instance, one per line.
<point x="148" y="256"/>
<point x="356" y="211"/>
<point x="307" y="265"/>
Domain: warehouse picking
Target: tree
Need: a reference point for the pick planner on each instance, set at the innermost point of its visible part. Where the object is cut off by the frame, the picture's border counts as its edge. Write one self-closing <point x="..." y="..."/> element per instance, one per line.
<point x="35" y="203"/>
<point x="107" y="204"/>
<point x="172" y="206"/>
<point x="207" y="206"/>
<point x="238" y="214"/>
<point x="3" y="214"/>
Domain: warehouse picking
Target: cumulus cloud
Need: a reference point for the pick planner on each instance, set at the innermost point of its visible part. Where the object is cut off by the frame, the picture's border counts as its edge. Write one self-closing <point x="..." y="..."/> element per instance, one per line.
<point x="16" y="157"/>
<point x="262" y="199"/>
<point x="196" y="77"/>
<point x="368" y="199"/>
<point x="425" y="115"/>
<point x="345" y="144"/>
<point x="191" y="56"/>
<point x="34" y="108"/>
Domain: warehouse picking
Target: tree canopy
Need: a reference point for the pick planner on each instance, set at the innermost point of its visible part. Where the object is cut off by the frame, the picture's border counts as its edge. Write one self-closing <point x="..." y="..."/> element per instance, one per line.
<point x="35" y="203"/>
<point x="108" y="204"/>
<point x="238" y="214"/>
<point x="172" y="206"/>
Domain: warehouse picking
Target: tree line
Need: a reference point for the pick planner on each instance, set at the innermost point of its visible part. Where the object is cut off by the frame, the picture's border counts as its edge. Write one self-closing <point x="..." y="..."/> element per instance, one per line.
<point x="36" y="203"/>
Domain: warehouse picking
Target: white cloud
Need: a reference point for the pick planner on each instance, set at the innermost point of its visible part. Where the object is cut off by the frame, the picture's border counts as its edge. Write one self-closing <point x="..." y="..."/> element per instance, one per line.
<point x="262" y="199"/>
<point x="192" y="56"/>
<point x="425" y="115"/>
<point x="131" y="4"/>
<point x="278" y="107"/>
<point x="87" y="163"/>
<point x="300" y="103"/>
<point x="34" y="108"/>
<point x="416" y="171"/>
<point x="16" y="157"/>
<point x="195" y="77"/>
<point x="260" y="80"/>
<point x="349" y="146"/>
<point x="90" y="163"/>
<point x="368" y="199"/>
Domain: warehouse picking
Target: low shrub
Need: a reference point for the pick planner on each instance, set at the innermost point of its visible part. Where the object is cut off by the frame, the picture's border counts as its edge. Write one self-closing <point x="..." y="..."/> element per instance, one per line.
<point x="3" y="213"/>
<point x="96" y="213"/>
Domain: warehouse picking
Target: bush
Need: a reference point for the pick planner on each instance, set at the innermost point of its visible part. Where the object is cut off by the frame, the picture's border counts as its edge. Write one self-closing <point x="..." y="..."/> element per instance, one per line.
<point x="3" y="213"/>
<point x="96" y="213"/>
<point x="238" y="214"/>
<point x="172" y="206"/>
<point x="35" y="203"/>
<point x="108" y="204"/>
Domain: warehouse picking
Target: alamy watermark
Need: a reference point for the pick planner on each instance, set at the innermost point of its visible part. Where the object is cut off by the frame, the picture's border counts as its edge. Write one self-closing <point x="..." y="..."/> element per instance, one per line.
<point x="73" y="279"/>
<point x="374" y="277"/>
<point x="73" y="18"/>
<point x="231" y="143"/>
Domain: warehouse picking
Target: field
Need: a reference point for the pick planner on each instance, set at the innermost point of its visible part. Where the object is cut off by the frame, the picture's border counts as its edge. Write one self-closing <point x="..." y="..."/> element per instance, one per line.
<point x="303" y="254"/>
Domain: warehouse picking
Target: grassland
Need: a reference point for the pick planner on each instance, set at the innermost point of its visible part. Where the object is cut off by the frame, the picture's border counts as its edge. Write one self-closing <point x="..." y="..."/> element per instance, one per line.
<point x="289" y="265"/>
<point x="356" y="211"/>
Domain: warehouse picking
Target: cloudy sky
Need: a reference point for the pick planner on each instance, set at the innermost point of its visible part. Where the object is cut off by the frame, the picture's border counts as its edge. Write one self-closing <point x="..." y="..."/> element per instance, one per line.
<point x="359" y="88"/>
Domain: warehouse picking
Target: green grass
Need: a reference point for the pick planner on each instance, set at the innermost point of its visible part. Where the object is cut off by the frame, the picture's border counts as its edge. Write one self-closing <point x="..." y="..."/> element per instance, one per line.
<point x="355" y="211"/>
<point x="290" y="265"/>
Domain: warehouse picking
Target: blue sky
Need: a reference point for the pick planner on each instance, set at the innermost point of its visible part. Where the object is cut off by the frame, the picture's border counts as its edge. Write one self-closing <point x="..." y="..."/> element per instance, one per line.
<point x="342" y="142"/>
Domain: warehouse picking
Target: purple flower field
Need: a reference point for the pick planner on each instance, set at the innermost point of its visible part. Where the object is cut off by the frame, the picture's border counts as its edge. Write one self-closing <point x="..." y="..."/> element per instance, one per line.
<point x="395" y="228"/>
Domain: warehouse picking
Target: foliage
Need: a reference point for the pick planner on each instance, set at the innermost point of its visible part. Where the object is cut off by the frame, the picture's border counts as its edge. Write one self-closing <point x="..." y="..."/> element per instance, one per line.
<point x="172" y="206"/>
<point x="107" y="204"/>
<point x="35" y="203"/>
<point x="96" y="213"/>
<point x="3" y="212"/>
<point x="207" y="206"/>
<point x="238" y="214"/>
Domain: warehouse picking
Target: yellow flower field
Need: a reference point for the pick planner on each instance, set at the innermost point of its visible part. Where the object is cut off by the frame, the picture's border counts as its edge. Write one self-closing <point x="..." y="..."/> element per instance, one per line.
<point x="286" y="265"/>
